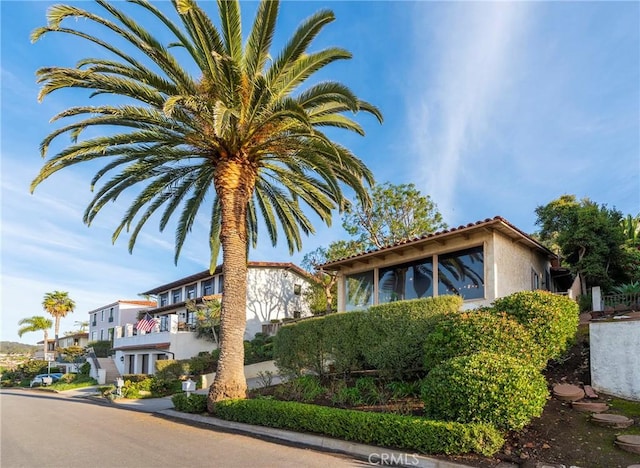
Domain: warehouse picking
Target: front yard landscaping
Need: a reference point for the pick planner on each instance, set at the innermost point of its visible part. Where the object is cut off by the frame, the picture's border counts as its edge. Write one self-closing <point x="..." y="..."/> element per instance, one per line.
<point x="420" y="368"/>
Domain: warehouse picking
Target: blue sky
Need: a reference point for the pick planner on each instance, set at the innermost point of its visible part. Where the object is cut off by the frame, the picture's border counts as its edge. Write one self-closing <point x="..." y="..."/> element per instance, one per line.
<point x="490" y="108"/>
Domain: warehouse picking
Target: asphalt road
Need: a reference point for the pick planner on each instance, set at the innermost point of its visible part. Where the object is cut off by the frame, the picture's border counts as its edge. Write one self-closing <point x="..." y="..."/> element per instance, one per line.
<point x="48" y="430"/>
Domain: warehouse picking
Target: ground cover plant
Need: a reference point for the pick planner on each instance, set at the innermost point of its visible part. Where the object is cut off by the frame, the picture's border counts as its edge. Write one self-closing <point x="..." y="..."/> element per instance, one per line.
<point x="402" y="359"/>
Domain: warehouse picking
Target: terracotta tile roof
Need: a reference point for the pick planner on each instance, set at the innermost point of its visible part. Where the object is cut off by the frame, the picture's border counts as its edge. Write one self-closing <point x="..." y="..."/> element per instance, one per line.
<point x="140" y="303"/>
<point x="205" y="274"/>
<point x="497" y="222"/>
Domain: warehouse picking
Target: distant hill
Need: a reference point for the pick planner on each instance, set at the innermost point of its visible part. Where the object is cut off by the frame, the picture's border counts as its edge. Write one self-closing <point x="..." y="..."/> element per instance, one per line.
<point x="11" y="347"/>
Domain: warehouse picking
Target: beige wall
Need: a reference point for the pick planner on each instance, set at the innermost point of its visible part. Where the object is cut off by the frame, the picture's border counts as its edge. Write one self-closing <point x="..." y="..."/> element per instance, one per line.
<point x="513" y="266"/>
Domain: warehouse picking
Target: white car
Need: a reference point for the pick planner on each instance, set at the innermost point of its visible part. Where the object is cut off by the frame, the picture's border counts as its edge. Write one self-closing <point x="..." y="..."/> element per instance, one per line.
<point x="42" y="379"/>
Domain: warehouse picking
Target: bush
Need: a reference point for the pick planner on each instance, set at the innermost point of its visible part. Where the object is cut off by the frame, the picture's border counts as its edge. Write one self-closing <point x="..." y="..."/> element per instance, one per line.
<point x="137" y="386"/>
<point x="170" y="369"/>
<point x="194" y="403"/>
<point x="551" y="319"/>
<point x="475" y="331"/>
<point x="389" y="430"/>
<point x="259" y="349"/>
<point x="161" y="388"/>
<point x="306" y="388"/>
<point x="387" y="337"/>
<point x="392" y="335"/>
<point x="85" y="369"/>
<point x="485" y="387"/>
<point x="101" y="348"/>
<point x="203" y="364"/>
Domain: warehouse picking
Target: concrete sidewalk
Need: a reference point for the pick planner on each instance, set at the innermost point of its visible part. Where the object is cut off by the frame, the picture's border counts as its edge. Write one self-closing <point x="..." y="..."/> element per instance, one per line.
<point x="371" y="454"/>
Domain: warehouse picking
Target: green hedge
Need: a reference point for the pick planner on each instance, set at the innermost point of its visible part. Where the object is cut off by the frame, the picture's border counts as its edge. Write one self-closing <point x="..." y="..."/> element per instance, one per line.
<point x="479" y="330"/>
<point x="390" y="430"/>
<point x="386" y="337"/>
<point x="392" y="334"/>
<point x="551" y="319"/>
<point x="485" y="388"/>
<point x="194" y="403"/>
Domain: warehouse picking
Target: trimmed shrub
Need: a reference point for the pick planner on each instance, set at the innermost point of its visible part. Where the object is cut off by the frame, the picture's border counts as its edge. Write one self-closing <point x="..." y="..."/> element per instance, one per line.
<point x="475" y="331"/>
<point x="389" y="430"/>
<point x="194" y="403"/>
<point x="137" y="386"/>
<point x="485" y="387"/>
<point x="170" y="369"/>
<point x="392" y="334"/>
<point x="387" y="337"/>
<point x="301" y="346"/>
<point x="551" y="319"/>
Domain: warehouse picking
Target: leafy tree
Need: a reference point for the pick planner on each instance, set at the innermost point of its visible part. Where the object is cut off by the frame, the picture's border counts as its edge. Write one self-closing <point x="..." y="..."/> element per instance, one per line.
<point x="72" y="353"/>
<point x="396" y="213"/>
<point x="241" y="128"/>
<point x="58" y="304"/>
<point x="322" y="295"/>
<point x="34" y="324"/>
<point x="631" y="228"/>
<point x="589" y="238"/>
<point x="207" y="314"/>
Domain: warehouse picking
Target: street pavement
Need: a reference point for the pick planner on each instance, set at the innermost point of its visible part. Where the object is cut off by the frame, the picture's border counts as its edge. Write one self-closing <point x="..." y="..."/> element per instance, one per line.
<point x="374" y="456"/>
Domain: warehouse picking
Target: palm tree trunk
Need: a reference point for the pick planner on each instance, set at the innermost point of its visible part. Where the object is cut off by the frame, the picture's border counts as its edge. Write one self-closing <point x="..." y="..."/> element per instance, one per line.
<point x="46" y="340"/>
<point x="234" y="184"/>
<point x="57" y="330"/>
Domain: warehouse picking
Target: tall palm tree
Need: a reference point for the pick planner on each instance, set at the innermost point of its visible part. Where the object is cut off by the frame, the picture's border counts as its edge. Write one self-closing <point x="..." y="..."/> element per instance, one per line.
<point x="33" y="324"/>
<point x="58" y="304"/>
<point x="240" y="139"/>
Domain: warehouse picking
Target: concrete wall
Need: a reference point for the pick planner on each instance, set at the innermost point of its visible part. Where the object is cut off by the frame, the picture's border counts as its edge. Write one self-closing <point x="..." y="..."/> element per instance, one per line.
<point x="250" y="371"/>
<point x="615" y="357"/>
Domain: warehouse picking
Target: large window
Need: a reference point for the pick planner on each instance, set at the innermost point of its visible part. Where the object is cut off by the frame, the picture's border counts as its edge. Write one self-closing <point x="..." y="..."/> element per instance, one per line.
<point x="207" y="287"/>
<point x="190" y="291"/>
<point x="176" y="296"/>
<point x="220" y="284"/>
<point x="359" y="290"/>
<point x="462" y="273"/>
<point x="164" y="299"/>
<point x="407" y="281"/>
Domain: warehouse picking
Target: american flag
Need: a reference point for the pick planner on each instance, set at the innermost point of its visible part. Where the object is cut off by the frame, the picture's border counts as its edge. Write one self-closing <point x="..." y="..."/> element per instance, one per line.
<point x="146" y="324"/>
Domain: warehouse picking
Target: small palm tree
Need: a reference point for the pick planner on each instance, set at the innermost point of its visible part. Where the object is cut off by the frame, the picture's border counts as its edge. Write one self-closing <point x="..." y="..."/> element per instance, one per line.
<point x="33" y="324"/>
<point x="240" y="128"/>
<point x="58" y="304"/>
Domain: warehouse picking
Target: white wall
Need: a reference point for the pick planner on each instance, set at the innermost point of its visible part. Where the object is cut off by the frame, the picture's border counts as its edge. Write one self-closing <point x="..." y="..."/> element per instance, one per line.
<point x="270" y="295"/>
<point x="615" y="357"/>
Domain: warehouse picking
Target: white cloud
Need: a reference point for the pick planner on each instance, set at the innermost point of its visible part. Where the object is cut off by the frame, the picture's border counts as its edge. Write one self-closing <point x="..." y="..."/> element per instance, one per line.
<point x="465" y="84"/>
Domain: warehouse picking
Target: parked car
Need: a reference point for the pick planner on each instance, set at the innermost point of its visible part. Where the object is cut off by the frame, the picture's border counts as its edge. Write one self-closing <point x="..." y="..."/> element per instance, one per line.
<point x="38" y="379"/>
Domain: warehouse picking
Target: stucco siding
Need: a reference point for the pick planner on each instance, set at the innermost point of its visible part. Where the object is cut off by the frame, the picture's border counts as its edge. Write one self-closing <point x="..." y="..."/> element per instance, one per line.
<point x="271" y="295"/>
<point x="615" y="358"/>
<point x="514" y="264"/>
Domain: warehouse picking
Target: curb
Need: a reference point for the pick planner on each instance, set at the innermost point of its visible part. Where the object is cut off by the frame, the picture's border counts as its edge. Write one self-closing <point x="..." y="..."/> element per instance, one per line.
<point x="373" y="455"/>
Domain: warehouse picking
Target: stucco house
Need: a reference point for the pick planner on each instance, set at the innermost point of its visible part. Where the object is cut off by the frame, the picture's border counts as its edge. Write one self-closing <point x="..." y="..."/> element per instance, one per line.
<point x="104" y="320"/>
<point x="274" y="291"/>
<point x="480" y="261"/>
